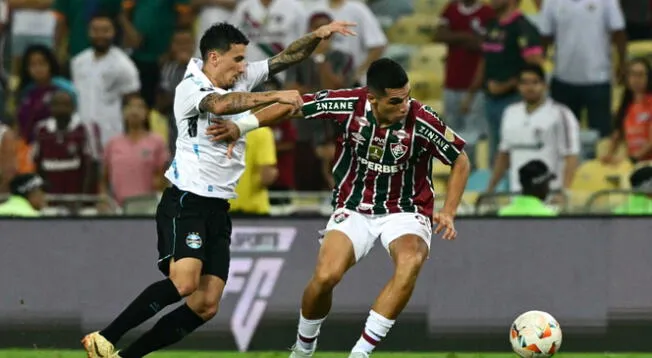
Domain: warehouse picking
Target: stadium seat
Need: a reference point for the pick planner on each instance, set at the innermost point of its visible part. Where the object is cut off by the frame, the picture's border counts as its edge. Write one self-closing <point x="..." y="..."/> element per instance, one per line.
<point x="413" y="30"/>
<point x="482" y="154"/>
<point x="593" y="176"/>
<point x="400" y="53"/>
<point x="479" y="180"/>
<point x="430" y="58"/>
<point x="639" y="49"/>
<point x="429" y="7"/>
<point x="426" y="84"/>
<point x="141" y="205"/>
<point x="602" y="148"/>
<point x="528" y="7"/>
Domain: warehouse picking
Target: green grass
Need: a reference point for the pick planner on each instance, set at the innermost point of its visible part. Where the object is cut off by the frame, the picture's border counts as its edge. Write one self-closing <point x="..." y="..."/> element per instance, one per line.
<point x="19" y="353"/>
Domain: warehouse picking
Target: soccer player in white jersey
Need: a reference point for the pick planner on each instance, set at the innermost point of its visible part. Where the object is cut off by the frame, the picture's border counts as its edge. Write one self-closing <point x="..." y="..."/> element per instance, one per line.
<point x="537" y="128"/>
<point x="192" y="218"/>
<point x="385" y="148"/>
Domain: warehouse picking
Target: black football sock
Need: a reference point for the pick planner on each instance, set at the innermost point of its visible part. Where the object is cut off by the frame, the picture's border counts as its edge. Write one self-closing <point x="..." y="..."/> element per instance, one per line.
<point x="170" y="329"/>
<point x="153" y="299"/>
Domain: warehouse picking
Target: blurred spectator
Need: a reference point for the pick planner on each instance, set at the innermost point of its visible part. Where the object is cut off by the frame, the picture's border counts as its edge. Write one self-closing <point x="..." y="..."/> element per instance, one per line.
<point x="462" y="26"/>
<point x="32" y="23"/>
<point x="370" y="43"/>
<point x="39" y="79"/>
<point x="211" y="12"/>
<point x="66" y="150"/>
<point x="634" y="117"/>
<point x="103" y="74"/>
<point x="535" y="178"/>
<point x="270" y="25"/>
<point x="388" y="11"/>
<point x="285" y="136"/>
<point x="172" y="71"/>
<point x="510" y="43"/>
<point x="73" y="17"/>
<point x="27" y="197"/>
<point x="260" y="173"/>
<point x="582" y="32"/>
<point x="537" y="128"/>
<point x="148" y="27"/>
<point x="8" y="157"/>
<point x="638" y="19"/>
<point x="640" y="203"/>
<point x="134" y="162"/>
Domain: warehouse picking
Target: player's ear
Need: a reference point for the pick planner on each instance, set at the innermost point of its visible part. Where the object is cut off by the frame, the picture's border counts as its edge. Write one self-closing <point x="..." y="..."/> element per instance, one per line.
<point x="372" y="98"/>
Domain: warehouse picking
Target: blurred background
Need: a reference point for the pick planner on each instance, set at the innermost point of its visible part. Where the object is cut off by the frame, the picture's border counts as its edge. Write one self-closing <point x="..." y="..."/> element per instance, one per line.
<point x="87" y="90"/>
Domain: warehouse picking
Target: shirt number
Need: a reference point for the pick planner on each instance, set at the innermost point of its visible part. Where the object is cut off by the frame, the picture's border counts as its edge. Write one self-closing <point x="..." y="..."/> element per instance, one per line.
<point x="192" y="126"/>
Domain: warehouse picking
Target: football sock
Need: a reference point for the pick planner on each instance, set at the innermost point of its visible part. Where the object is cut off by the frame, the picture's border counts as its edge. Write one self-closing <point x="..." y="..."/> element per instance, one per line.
<point x="374" y="331"/>
<point x="153" y="299"/>
<point x="170" y="329"/>
<point x="308" y="332"/>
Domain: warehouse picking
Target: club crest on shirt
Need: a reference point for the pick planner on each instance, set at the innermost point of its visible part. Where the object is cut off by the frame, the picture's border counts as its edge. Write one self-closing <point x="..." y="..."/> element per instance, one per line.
<point x="193" y="240"/>
<point x="398" y="150"/>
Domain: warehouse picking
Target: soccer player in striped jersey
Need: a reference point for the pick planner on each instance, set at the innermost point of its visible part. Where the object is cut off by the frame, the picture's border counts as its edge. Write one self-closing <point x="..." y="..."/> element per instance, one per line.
<point x="383" y="191"/>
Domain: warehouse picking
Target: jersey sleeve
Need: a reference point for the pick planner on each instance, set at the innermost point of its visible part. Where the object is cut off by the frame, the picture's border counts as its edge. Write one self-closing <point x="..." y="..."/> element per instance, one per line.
<point x="447" y="15"/>
<point x="568" y="133"/>
<point x="529" y="40"/>
<point x="256" y="73"/>
<point x="330" y="105"/>
<point x="188" y="95"/>
<point x="443" y="143"/>
<point x="547" y="18"/>
<point x="615" y="17"/>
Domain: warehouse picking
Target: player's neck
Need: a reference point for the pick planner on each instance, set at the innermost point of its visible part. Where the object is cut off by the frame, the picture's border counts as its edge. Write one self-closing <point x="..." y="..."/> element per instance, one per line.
<point x="533" y="106"/>
<point x="211" y="78"/>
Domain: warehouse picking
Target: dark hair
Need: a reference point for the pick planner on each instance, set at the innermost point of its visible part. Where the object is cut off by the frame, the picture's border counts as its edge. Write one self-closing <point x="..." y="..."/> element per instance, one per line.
<point x="628" y="95"/>
<point x="220" y="37"/>
<point x="25" y="78"/>
<point x="385" y="73"/>
<point x="534" y="69"/>
<point x="103" y="15"/>
<point x="126" y="99"/>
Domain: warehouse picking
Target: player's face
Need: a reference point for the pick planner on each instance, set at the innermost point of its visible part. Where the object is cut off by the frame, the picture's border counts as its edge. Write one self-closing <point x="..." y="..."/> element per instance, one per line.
<point x="38" y="67"/>
<point x="637" y="77"/>
<point x="61" y="105"/>
<point x="532" y="87"/>
<point x="230" y="65"/>
<point x="101" y="33"/>
<point x="135" y="112"/>
<point x="394" y="105"/>
<point x="183" y="45"/>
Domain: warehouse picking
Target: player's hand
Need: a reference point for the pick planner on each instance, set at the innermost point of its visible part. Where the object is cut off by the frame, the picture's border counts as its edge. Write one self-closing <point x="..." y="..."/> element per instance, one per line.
<point x="291" y="97"/>
<point x="336" y="27"/>
<point x="445" y="224"/>
<point x="223" y="130"/>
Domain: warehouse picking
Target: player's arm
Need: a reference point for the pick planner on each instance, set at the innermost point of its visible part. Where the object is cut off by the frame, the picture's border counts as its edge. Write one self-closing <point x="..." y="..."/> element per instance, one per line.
<point x="456" y="183"/>
<point x="238" y="102"/>
<point x="302" y="48"/>
<point x="568" y="142"/>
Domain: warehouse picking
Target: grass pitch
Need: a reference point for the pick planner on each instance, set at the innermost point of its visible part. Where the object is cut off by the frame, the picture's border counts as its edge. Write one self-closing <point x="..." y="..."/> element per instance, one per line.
<point x="20" y="353"/>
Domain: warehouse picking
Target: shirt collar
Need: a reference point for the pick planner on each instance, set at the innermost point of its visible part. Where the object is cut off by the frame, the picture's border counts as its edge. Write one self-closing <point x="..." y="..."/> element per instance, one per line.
<point x="51" y="123"/>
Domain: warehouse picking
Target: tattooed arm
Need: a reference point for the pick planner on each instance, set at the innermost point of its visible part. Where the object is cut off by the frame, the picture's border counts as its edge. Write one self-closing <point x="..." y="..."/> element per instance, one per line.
<point x="238" y="102"/>
<point x="300" y="49"/>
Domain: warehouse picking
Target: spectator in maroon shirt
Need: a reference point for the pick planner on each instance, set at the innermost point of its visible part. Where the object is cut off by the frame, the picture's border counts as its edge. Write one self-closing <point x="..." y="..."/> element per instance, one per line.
<point x="461" y="27"/>
<point x="66" y="150"/>
<point x="285" y="135"/>
<point x="39" y="78"/>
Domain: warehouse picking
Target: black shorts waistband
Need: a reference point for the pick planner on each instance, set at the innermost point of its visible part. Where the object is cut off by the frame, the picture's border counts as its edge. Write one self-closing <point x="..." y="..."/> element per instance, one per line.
<point x="186" y="197"/>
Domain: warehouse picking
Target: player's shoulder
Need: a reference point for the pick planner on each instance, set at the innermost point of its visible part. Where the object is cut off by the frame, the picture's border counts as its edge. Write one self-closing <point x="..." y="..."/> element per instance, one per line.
<point x="425" y="112"/>
<point x="349" y="93"/>
<point x="563" y="111"/>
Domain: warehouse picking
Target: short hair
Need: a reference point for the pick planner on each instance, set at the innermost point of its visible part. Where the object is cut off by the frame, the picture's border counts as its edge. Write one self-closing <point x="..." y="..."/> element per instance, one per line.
<point x="103" y="15"/>
<point x="220" y="37"/>
<point x="534" y="69"/>
<point x="385" y="73"/>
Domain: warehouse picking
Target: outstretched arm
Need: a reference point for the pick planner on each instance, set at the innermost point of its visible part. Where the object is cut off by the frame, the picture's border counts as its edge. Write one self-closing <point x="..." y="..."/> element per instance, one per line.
<point x="238" y="102"/>
<point x="302" y="48"/>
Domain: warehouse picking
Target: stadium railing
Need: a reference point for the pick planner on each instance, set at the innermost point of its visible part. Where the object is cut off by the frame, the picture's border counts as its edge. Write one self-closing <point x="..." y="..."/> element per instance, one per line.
<point x="606" y="201"/>
<point x="491" y="203"/>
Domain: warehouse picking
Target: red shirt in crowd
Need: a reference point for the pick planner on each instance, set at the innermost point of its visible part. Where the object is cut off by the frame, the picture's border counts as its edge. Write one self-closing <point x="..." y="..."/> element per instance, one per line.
<point x="285" y="135"/>
<point x="638" y="126"/>
<point x="461" y="63"/>
<point x="64" y="156"/>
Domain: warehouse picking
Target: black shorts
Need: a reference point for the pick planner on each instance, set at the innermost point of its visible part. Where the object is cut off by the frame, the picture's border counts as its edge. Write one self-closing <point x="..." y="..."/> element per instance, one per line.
<point x="190" y="225"/>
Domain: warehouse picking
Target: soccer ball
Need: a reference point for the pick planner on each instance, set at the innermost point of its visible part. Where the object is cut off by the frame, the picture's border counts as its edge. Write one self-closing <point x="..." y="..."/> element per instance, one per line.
<point x="535" y="334"/>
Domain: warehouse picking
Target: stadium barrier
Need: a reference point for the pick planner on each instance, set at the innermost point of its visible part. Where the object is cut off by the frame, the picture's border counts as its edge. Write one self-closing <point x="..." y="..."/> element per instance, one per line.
<point x="63" y="277"/>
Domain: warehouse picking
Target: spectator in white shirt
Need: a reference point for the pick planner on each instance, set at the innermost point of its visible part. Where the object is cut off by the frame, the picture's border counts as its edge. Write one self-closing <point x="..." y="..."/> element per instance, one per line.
<point x="370" y="43"/>
<point x="537" y="128"/>
<point x="583" y="31"/>
<point x="103" y="75"/>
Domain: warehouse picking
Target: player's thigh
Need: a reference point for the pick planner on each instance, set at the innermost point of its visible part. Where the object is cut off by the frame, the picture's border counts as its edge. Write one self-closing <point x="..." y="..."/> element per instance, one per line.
<point x="406" y="233"/>
<point x="348" y="230"/>
<point x="218" y="243"/>
<point x="206" y="299"/>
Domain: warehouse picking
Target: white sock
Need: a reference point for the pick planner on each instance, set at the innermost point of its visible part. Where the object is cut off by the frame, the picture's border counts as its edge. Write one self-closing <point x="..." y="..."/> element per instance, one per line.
<point x="308" y="332"/>
<point x="375" y="330"/>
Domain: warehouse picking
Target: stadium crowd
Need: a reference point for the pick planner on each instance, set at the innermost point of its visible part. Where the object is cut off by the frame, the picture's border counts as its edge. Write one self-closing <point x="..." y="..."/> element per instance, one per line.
<point x="554" y="98"/>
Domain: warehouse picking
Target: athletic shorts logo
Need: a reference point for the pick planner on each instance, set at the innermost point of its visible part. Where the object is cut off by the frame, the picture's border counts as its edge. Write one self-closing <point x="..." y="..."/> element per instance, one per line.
<point x="398" y="150"/>
<point x="340" y="217"/>
<point x="421" y="220"/>
<point x="321" y="95"/>
<point x="193" y="240"/>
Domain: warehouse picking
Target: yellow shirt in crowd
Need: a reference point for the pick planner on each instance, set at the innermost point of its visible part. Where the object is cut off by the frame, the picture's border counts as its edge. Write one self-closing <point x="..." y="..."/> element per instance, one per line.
<point x="260" y="151"/>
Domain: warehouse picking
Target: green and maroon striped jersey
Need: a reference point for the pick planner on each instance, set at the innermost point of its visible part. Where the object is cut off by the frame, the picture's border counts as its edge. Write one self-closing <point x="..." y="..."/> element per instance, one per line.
<point x="383" y="170"/>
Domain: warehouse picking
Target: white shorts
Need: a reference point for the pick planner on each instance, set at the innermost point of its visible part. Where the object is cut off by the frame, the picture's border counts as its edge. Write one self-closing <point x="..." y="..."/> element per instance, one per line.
<point x="363" y="230"/>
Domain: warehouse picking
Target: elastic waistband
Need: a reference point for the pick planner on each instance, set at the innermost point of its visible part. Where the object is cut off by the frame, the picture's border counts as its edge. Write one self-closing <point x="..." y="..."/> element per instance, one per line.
<point x="209" y="203"/>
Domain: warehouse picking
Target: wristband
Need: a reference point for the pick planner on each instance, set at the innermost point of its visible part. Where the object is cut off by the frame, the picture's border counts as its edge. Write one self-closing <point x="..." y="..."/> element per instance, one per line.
<point x="247" y="124"/>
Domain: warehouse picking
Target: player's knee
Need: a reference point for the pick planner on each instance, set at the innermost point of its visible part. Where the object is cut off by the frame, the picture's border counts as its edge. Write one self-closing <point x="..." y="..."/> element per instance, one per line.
<point x="185" y="285"/>
<point x="408" y="265"/>
<point x="207" y="310"/>
<point x="327" y="277"/>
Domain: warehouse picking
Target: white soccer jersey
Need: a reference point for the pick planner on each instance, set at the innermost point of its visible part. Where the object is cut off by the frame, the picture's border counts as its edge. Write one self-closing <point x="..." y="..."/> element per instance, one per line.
<point x="201" y="166"/>
<point x="550" y="133"/>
